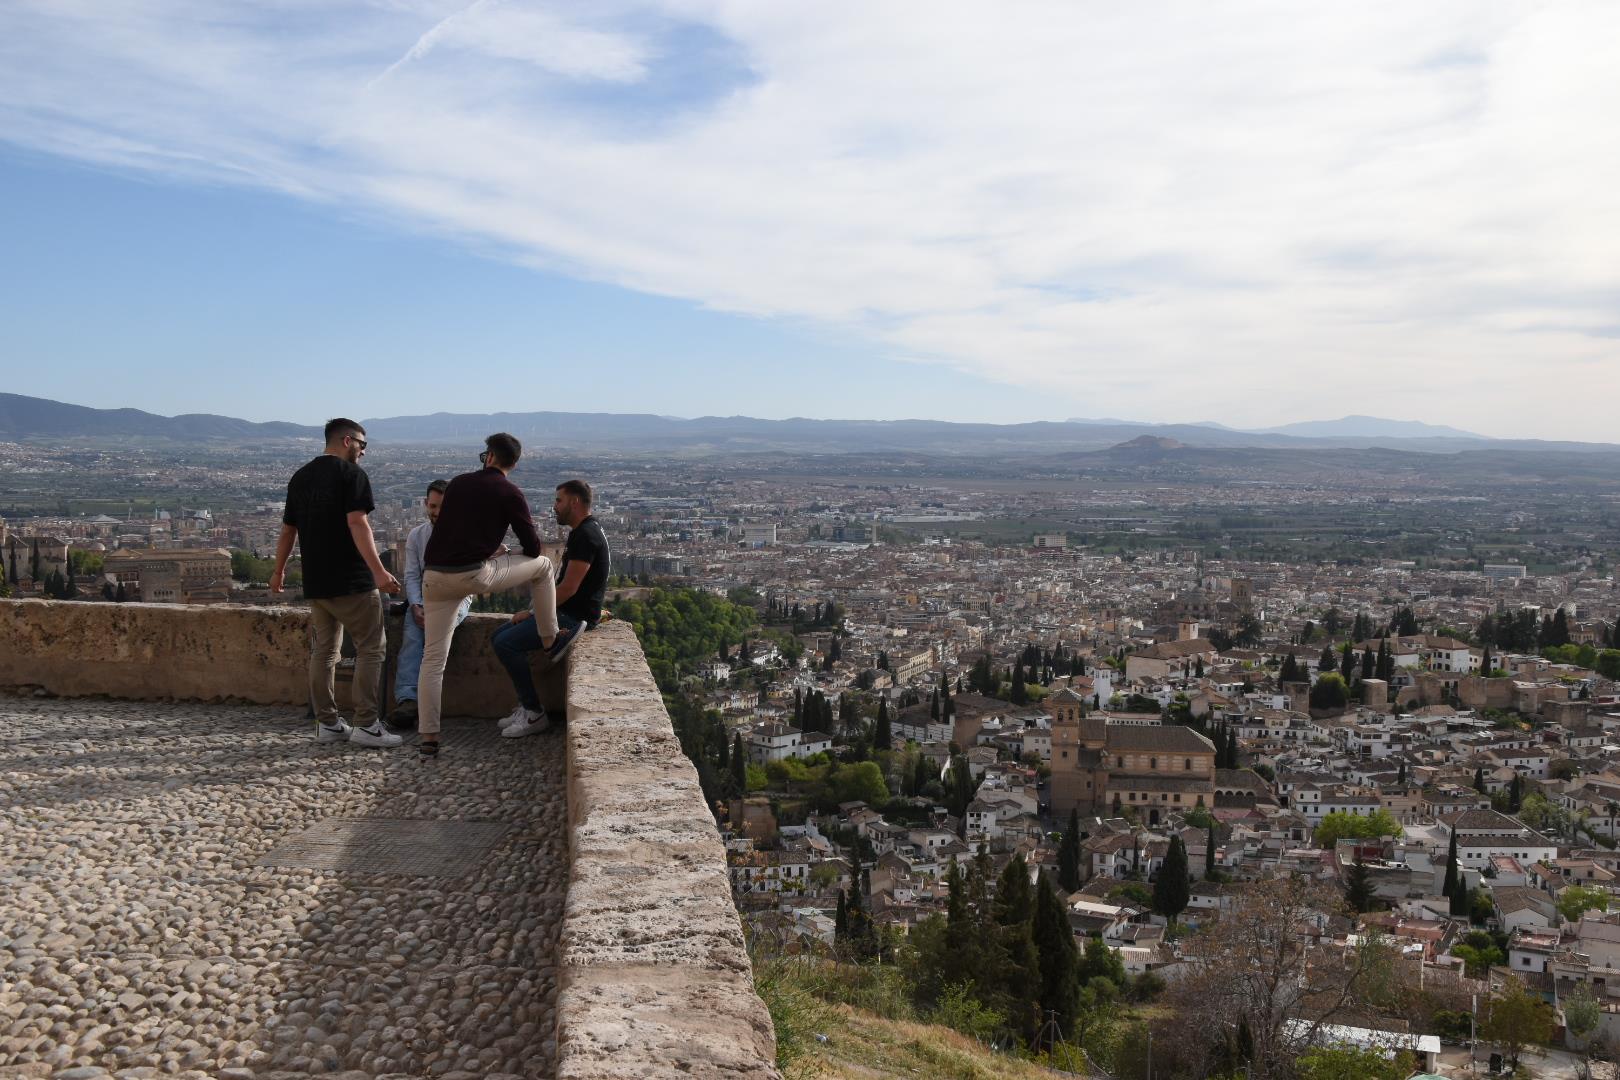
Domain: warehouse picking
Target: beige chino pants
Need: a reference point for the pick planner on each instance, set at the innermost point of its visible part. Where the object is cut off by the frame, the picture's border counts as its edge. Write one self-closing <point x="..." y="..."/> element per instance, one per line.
<point x="361" y="615"/>
<point x="442" y="593"/>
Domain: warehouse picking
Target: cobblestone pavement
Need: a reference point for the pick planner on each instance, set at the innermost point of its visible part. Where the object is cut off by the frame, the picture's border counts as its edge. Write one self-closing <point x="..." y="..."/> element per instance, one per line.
<point x="205" y="891"/>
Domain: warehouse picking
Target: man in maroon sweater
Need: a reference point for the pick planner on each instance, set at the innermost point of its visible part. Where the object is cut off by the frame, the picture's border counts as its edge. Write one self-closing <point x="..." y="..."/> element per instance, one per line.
<point x="465" y="557"/>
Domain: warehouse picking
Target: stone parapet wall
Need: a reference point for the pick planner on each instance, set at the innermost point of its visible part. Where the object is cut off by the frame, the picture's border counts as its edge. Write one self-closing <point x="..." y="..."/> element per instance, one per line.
<point x="260" y="655"/>
<point x="655" y="979"/>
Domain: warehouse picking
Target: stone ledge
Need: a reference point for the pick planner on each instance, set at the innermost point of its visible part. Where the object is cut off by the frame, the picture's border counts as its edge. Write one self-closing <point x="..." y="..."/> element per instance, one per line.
<point x="655" y="978"/>
<point x="217" y="653"/>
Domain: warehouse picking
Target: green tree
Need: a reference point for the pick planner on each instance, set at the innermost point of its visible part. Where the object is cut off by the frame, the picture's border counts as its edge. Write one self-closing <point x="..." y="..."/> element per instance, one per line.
<point x="1069" y="854"/>
<point x="1353" y="1063"/>
<point x="1581" y="1015"/>
<point x="1341" y="826"/>
<point x="1209" y="853"/>
<point x="1517" y="1019"/>
<point x="1478" y="956"/>
<point x="1171" y="889"/>
<point x="1059" y="957"/>
<point x="1577" y="900"/>
<point x="1330" y="692"/>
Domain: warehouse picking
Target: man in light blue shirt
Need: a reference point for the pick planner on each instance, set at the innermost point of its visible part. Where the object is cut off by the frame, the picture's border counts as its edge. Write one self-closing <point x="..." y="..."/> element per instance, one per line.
<point x="410" y="649"/>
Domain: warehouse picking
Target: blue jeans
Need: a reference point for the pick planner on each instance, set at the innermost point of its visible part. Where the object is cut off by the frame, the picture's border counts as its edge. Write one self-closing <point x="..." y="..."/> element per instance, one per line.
<point x="410" y="655"/>
<point x="513" y="644"/>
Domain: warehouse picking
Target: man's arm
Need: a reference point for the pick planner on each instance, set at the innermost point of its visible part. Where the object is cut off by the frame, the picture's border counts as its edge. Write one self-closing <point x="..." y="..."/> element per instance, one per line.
<point x="415" y="553"/>
<point x="572" y="580"/>
<point x="360" y="529"/>
<point x="523" y="524"/>
<point x="284" y="546"/>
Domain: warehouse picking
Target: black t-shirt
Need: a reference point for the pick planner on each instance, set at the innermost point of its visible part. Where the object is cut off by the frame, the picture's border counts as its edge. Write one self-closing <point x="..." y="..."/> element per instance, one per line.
<point x="587" y="543"/>
<point x="320" y="497"/>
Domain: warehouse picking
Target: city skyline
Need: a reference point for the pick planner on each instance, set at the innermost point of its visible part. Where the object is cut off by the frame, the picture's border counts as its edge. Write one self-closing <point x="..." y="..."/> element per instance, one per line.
<point x="1236" y="216"/>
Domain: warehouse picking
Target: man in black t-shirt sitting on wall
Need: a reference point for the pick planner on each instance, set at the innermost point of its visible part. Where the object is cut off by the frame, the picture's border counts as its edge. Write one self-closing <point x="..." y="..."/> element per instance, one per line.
<point x="328" y="503"/>
<point x="581" y="584"/>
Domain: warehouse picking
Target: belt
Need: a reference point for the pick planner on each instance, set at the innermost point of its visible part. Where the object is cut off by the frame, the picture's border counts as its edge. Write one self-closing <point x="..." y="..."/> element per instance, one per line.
<point x="455" y="569"/>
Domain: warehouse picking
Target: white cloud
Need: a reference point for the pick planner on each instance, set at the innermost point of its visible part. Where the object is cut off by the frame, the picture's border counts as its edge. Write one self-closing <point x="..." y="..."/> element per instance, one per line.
<point x="1246" y="212"/>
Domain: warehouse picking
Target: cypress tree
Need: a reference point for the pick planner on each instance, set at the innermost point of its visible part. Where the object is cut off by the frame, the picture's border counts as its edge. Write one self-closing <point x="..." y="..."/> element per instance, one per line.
<point x="1069" y="854"/>
<point x="1329" y="661"/>
<point x="1479" y="779"/>
<point x="1400" y="775"/>
<point x="841" y="920"/>
<point x="1290" y="670"/>
<point x="121" y="596"/>
<point x="921" y="775"/>
<point x="1515" y="795"/>
<point x="33" y="561"/>
<point x="1358" y="886"/>
<point x="1347" y="662"/>
<point x="1462" y="899"/>
<point x="798" y="708"/>
<point x="1369" y="664"/>
<point x="1453" y="878"/>
<point x="1170" y="889"/>
<point x="1059" y="957"/>
<point x="933" y="705"/>
<point x="1209" y="855"/>
<point x="882" y="737"/>
<point x="1485" y="662"/>
<point x="739" y="766"/>
<point x="946" y="708"/>
<point x="1015" y="900"/>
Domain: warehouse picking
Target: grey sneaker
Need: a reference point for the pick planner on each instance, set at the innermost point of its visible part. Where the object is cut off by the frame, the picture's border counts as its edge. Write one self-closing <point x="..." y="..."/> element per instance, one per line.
<point x="375" y="735"/>
<point x="533" y="723"/>
<point x="333" y="734"/>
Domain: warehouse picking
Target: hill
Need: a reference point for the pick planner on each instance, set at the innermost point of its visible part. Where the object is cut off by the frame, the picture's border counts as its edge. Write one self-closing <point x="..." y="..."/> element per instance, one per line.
<point x="24" y="418"/>
<point x="30" y="417"/>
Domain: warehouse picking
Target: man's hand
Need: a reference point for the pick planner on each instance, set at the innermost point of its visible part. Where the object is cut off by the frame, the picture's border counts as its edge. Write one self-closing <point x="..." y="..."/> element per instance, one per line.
<point x="418" y="615"/>
<point x="519" y="616"/>
<point x="276" y="579"/>
<point x="385" y="581"/>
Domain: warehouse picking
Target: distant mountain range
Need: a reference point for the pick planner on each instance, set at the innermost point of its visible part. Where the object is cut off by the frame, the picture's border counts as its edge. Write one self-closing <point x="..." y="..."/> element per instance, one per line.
<point x="31" y="419"/>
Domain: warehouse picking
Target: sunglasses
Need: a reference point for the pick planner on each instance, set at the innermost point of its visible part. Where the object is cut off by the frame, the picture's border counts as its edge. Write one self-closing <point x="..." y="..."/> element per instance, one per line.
<point x="361" y="443"/>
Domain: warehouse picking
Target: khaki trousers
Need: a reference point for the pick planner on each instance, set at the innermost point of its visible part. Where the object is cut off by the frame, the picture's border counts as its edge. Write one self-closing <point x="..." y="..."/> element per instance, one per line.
<point x="361" y="615"/>
<point x="442" y="593"/>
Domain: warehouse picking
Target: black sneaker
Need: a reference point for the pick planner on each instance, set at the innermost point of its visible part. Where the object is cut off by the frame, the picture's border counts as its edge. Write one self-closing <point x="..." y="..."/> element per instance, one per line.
<point x="561" y="644"/>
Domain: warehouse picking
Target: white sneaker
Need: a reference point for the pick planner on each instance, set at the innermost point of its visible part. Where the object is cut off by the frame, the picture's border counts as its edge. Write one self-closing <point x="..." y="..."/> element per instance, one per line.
<point x="533" y="723"/>
<point x="375" y="735"/>
<point x="333" y="734"/>
<point x="516" y="716"/>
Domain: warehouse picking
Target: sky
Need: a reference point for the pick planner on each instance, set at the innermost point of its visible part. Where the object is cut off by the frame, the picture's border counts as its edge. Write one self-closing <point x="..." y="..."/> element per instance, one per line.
<point x="1245" y="212"/>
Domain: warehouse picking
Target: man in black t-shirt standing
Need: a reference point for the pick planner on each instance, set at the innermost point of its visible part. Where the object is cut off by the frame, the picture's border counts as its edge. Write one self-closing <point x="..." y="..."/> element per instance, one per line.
<point x="328" y="503"/>
<point x="581" y="584"/>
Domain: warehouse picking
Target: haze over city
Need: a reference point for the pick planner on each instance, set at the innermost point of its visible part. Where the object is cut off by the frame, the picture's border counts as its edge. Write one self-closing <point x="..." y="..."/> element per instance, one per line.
<point x="1243" y="213"/>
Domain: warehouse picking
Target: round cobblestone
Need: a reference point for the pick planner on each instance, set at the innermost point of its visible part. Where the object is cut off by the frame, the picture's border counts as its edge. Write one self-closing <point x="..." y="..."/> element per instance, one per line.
<point x="141" y="936"/>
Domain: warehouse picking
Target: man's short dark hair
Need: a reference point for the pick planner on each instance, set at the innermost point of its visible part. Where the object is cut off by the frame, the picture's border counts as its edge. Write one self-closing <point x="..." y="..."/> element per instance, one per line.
<point x="504" y="450"/>
<point x="339" y="426"/>
<point x="577" y="488"/>
<point x="437" y="485"/>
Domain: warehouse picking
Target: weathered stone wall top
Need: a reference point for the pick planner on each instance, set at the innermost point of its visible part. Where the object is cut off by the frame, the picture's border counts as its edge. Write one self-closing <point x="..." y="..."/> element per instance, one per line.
<point x="655" y="978"/>
<point x="259" y="655"/>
